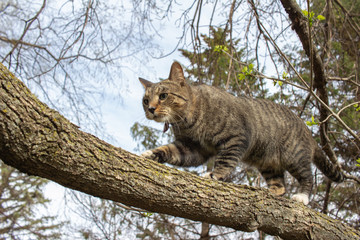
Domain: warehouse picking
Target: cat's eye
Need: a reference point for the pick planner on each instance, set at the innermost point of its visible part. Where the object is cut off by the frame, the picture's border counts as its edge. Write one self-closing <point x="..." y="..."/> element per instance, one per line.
<point x="146" y="101"/>
<point x="163" y="96"/>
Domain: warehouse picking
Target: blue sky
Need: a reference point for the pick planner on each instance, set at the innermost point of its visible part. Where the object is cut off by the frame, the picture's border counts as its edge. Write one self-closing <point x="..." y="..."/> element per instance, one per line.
<point x="119" y="114"/>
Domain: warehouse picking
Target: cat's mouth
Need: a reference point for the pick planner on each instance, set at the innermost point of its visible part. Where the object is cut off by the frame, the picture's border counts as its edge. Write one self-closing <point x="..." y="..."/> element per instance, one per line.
<point x="162" y="118"/>
<point x="158" y="117"/>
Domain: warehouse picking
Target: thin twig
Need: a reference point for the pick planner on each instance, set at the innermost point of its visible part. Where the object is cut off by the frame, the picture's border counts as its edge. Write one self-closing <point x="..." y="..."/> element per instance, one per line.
<point x="348" y="176"/>
<point x="348" y="79"/>
<point x="347" y="106"/>
<point x="231" y="44"/>
<point x="130" y="208"/>
<point x="347" y="128"/>
<point x="28" y="25"/>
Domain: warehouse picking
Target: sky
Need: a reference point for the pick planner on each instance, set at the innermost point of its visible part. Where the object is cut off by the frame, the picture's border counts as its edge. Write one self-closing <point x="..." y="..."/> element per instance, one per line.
<point x="118" y="115"/>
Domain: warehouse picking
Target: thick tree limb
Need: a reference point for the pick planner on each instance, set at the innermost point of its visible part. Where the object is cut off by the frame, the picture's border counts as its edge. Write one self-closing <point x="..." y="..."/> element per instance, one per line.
<point x="39" y="141"/>
<point x="301" y="27"/>
<point x="299" y="24"/>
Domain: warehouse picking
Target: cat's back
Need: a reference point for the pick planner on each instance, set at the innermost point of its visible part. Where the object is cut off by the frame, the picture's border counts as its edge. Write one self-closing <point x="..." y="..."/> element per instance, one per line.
<point x="214" y="98"/>
<point x="223" y="102"/>
<point x="266" y="119"/>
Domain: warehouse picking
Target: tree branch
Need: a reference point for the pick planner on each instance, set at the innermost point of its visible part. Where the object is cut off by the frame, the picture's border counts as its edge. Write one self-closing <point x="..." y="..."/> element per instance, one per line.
<point x="39" y="141"/>
<point x="302" y="27"/>
<point x="27" y="27"/>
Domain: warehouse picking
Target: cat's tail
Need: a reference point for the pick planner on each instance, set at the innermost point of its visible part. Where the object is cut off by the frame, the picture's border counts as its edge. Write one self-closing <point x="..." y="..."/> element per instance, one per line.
<point x="331" y="170"/>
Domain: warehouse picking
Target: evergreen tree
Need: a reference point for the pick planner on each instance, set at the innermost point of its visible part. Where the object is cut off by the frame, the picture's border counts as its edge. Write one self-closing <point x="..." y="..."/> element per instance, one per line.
<point x="23" y="207"/>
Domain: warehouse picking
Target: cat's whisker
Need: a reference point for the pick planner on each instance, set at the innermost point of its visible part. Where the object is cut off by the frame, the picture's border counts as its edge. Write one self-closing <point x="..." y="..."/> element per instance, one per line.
<point x="175" y="122"/>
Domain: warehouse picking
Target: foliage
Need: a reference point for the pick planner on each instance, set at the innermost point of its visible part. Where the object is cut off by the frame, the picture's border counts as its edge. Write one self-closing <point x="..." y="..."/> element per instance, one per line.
<point x="311" y="17"/>
<point x="312" y="122"/>
<point x="211" y="65"/>
<point x="147" y="137"/>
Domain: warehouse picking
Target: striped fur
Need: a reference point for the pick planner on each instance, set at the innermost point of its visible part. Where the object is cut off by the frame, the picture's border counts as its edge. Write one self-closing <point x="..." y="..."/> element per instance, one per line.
<point x="208" y="122"/>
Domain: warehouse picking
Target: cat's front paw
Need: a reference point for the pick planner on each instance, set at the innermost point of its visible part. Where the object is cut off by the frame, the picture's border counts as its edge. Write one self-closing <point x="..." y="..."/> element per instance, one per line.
<point x="154" y="154"/>
<point x="148" y="154"/>
<point x="301" y="197"/>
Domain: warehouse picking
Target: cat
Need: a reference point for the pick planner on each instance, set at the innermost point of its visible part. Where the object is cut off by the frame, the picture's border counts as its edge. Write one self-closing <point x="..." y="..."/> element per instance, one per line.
<point x="209" y="122"/>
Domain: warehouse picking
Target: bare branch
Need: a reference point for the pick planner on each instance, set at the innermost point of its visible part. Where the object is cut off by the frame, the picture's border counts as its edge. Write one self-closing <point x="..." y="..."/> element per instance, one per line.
<point x="28" y="25"/>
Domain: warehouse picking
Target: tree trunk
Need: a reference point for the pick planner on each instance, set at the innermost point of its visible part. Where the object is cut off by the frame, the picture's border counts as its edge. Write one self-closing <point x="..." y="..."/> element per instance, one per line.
<point x="39" y="141"/>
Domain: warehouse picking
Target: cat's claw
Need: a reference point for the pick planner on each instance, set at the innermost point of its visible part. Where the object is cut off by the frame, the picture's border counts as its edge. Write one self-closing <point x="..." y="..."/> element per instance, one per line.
<point x="210" y="175"/>
<point x="301" y="197"/>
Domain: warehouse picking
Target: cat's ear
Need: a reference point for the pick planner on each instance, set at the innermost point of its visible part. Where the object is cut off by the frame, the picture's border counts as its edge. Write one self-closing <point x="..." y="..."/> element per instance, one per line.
<point x="177" y="74"/>
<point x="146" y="84"/>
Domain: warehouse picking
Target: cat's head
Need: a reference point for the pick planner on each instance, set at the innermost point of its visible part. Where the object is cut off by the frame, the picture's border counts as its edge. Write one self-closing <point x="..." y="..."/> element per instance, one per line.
<point x="167" y="101"/>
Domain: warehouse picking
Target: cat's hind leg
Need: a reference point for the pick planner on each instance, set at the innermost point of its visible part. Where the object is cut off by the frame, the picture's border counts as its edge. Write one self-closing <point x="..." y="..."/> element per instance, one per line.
<point x="302" y="172"/>
<point x="275" y="181"/>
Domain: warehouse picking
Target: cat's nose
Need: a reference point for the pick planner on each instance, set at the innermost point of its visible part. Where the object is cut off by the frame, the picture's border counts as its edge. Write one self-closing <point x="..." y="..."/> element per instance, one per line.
<point x="151" y="109"/>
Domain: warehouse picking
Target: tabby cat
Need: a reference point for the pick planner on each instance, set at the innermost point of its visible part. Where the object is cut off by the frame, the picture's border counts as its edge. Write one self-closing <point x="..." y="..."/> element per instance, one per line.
<point x="209" y="122"/>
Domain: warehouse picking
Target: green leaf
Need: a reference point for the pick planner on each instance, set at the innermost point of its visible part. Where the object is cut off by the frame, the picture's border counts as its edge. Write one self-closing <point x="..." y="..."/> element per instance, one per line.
<point x="251" y="66"/>
<point x="220" y="48"/>
<point x="320" y="17"/>
<point x="241" y="76"/>
<point x="306" y="13"/>
<point x="310" y="16"/>
<point x="357" y="107"/>
<point x="147" y="214"/>
<point x="285" y="75"/>
<point x="280" y="83"/>
<point x="312" y="123"/>
<point x="358" y="160"/>
<point x="247" y="70"/>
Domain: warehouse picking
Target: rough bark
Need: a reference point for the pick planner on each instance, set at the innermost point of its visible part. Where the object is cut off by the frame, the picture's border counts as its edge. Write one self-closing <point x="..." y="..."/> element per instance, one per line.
<point x="39" y="141"/>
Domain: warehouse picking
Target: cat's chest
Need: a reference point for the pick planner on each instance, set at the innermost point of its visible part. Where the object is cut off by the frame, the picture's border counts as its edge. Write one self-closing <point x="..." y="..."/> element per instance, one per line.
<point x="201" y="138"/>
